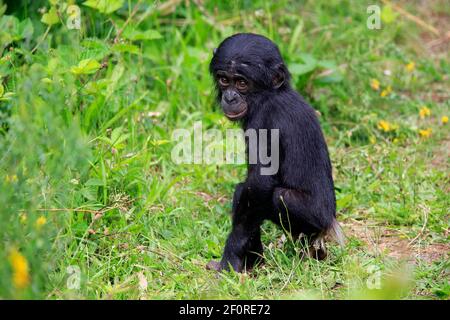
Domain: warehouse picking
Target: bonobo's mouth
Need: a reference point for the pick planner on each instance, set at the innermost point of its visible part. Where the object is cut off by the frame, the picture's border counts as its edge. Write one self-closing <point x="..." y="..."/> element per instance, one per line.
<point x="234" y="116"/>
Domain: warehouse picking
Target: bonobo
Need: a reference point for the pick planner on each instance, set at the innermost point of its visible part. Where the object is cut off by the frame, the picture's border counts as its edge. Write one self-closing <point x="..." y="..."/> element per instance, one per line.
<point x="253" y="88"/>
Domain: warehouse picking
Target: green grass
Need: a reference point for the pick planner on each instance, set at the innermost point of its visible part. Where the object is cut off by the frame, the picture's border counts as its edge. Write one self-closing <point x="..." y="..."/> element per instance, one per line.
<point x="89" y="150"/>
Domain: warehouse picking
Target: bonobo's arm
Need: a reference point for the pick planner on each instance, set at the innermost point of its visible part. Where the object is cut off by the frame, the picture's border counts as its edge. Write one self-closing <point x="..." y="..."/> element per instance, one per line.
<point x="252" y="200"/>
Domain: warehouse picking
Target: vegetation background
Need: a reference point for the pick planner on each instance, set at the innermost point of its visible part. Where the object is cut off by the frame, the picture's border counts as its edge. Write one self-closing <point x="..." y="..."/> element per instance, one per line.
<point x="93" y="207"/>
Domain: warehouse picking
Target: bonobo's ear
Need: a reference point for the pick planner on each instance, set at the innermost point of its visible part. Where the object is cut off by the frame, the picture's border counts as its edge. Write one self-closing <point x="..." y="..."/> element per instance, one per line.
<point x="280" y="76"/>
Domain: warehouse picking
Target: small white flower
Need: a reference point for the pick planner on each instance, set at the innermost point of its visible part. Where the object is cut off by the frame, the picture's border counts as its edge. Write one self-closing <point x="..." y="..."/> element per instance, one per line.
<point x="259" y="13"/>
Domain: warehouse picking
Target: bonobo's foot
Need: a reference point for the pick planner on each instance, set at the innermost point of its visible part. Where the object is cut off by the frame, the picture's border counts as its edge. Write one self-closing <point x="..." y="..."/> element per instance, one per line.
<point x="318" y="250"/>
<point x="318" y="254"/>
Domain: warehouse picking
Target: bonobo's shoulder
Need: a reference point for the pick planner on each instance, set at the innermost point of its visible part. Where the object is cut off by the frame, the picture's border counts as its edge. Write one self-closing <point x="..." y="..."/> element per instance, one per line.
<point x="292" y="106"/>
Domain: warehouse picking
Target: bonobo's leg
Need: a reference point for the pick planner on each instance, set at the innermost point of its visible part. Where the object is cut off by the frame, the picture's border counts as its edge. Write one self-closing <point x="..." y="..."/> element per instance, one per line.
<point x="243" y="244"/>
<point x="237" y="201"/>
<point x="251" y="202"/>
<point x="254" y="247"/>
<point x="298" y="212"/>
<point x="242" y="241"/>
<point x="243" y="249"/>
<point x="254" y="251"/>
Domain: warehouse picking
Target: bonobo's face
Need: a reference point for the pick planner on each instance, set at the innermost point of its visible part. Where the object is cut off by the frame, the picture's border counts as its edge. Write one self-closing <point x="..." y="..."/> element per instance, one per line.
<point x="233" y="88"/>
<point x="247" y="68"/>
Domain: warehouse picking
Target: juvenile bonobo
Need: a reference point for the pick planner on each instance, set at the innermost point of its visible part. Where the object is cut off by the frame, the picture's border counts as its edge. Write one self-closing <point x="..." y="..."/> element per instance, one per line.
<point x="253" y="87"/>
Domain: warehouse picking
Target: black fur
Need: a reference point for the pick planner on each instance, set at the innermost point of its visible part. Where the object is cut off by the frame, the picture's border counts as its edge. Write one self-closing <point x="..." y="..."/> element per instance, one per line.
<point x="300" y="197"/>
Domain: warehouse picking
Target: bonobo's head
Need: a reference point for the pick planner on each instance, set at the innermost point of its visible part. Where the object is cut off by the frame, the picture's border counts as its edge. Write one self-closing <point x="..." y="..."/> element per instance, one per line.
<point x="245" y="67"/>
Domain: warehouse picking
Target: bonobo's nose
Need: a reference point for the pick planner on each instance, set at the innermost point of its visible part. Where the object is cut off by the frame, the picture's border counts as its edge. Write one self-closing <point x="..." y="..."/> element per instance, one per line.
<point x="230" y="96"/>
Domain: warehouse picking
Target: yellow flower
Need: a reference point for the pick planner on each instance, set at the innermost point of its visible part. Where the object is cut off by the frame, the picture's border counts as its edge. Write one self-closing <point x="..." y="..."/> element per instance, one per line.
<point x="410" y="67"/>
<point x="424" y="112"/>
<point x="23" y="217"/>
<point x="386" y="91"/>
<point x="387" y="126"/>
<point x="21" y="276"/>
<point x="375" y="84"/>
<point x="444" y="119"/>
<point x="12" y="178"/>
<point x="384" y="126"/>
<point x="372" y="139"/>
<point x="425" y="133"/>
<point x="40" y="222"/>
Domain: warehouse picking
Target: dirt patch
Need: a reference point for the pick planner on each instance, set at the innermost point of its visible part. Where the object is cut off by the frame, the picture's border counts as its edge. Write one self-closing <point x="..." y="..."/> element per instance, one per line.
<point x="441" y="154"/>
<point x="222" y="199"/>
<point x="383" y="241"/>
<point x="440" y="161"/>
<point x="436" y="45"/>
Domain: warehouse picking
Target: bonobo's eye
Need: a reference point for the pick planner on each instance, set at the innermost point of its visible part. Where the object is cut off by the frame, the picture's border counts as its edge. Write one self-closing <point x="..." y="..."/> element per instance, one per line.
<point x="223" y="81"/>
<point x="241" y="85"/>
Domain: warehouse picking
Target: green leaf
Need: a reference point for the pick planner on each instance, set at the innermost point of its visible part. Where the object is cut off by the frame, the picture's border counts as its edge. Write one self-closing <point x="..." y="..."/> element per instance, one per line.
<point x="444" y="292"/>
<point x="7" y="96"/>
<point x="114" y="80"/>
<point x="334" y="77"/>
<point x="2" y="90"/>
<point x="89" y="193"/>
<point x="11" y="29"/>
<point x="123" y="47"/>
<point x="159" y="142"/>
<point x="86" y="66"/>
<point x="300" y="69"/>
<point x="308" y="65"/>
<point x="374" y="185"/>
<point x="326" y="64"/>
<point x="344" y="201"/>
<point x="387" y="14"/>
<point x="8" y="30"/>
<point x="94" y="182"/>
<point x="104" y="6"/>
<point x="308" y="59"/>
<point x="51" y="17"/>
<point x="94" y="49"/>
<point x="26" y="28"/>
<point x="117" y="138"/>
<point x="136" y="35"/>
<point x="2" y="9"/>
